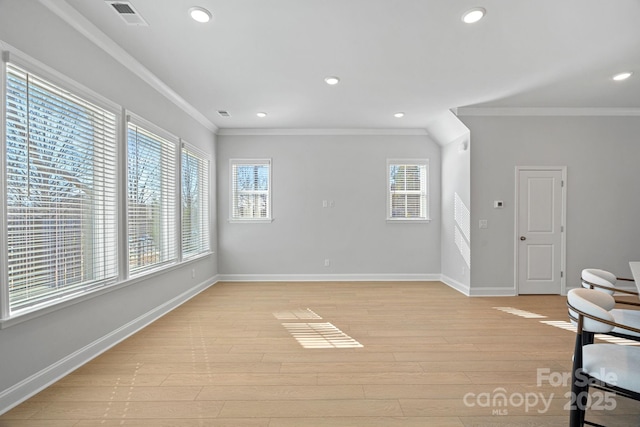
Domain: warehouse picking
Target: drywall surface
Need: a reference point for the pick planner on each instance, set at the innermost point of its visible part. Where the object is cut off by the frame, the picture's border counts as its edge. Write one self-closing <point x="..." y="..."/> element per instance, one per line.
<point x="35" y="351"/>
<point x="603" y="196"/>
<point x="349" y="173"/>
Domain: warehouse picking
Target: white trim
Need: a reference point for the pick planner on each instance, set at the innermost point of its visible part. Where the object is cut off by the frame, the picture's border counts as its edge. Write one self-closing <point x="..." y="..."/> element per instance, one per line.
<point x="454" y="284"/>
<point x="409" y="220"/>
<point x="470" y="291"/>
<point x="547" y="111"/>
<point x="33" y="66"/>
<point x="493" y="291"/>
<point x="28" y="314"/>
<point x="37" y="382"/>
<point x="4" y="275"/>
<point x="149" y="126"/>
<point x="232" y="181"/>
<point x="426" y="190"/>
<point x="329" y="277"/>
<point x="563" y="220"/>
<point x="298" y="132"/>
<point x="85" y="27"/>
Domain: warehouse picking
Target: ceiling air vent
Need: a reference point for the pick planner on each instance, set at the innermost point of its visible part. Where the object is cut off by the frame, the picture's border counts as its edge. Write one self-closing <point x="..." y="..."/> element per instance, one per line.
<point x="126" y="11"/>
<point x="224" y="113"/>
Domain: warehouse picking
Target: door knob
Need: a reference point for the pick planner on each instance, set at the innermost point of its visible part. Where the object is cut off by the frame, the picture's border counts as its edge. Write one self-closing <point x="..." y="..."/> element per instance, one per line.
<point x="523" y="238"/>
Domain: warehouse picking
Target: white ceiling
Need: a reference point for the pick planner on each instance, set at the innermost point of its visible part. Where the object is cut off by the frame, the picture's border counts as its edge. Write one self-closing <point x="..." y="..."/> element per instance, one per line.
<point x="415" y="56"/>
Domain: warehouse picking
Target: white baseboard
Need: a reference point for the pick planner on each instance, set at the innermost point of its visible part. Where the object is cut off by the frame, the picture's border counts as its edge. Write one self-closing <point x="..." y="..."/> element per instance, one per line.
<point x="37" y="382"/>
<point x="471" y="291"/>
<point x="452" y="283"/>
<point x="328" y="277"/>
<point x="493" y="292"/>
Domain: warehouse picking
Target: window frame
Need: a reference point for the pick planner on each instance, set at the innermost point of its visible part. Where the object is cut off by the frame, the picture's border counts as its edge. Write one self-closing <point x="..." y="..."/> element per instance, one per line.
<point x="233" y="218"/>
<point x="424" y="190"/>
<point x="204" y="227"/>
<point x="169" y="243"/>
<point x="123" y="278"/>
<point x="68" y="89"/>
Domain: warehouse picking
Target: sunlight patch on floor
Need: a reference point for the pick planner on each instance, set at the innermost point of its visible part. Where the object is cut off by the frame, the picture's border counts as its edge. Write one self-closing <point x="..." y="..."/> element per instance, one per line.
<point x="296" y="314"/>
<point x="521" y="313"/>
<point x="562" y="324"/>
<point x="320" y="335"/>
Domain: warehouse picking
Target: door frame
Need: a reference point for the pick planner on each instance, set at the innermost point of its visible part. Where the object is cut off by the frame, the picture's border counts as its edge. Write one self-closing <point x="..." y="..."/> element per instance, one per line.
<point x="563" y="234"/>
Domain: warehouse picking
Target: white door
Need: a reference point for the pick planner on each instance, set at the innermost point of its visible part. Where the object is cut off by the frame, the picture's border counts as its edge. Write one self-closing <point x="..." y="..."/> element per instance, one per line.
<point x="540" y="228"/>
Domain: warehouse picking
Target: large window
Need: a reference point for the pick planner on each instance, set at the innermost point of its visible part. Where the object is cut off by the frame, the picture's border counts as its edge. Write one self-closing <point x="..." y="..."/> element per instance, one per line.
<point x="71" y="167"/>
<point x="151" y="178"/>
<point x="408" y="195"/>
<point x="60" y="158"/>
<point x="195" y="202"/>
<point x="251" y="190"/>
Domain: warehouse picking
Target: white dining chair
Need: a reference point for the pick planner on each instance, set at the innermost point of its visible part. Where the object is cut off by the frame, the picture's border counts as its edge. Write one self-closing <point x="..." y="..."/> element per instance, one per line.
<point x="595" y="278"/>
<point x="605" y="281"/>
<point x="611" y="368"/>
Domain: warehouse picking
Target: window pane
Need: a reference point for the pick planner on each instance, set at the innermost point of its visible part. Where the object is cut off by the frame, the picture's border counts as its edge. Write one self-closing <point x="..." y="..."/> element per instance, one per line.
<point x="195" y="203"/>
<point x="408" y="194"/>
<point x="251" y="190"/>
<point x="61" y="204"/>
<point x="151" y="195"/>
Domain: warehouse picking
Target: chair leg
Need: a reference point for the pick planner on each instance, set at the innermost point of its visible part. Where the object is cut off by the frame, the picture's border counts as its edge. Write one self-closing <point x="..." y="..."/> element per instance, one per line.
<point x="579" y="384"/>
<point x="579" y="398"/>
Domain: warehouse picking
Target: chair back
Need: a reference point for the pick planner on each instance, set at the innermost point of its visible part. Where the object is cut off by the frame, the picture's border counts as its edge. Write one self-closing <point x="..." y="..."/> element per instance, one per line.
<point x="600" y="278"/>
<point x="591" y="305"/>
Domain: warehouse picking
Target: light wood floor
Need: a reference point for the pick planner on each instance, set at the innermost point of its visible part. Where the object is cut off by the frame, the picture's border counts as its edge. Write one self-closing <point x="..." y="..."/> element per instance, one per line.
<point x="329" y="354"/>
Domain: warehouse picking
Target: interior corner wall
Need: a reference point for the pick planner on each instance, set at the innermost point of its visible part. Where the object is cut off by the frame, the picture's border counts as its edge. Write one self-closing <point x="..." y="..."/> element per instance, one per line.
<point x="603" y="196"/>
<point x="354" y="236"/>
<point x="37" y="350"/>
<point x="455" y="234"/>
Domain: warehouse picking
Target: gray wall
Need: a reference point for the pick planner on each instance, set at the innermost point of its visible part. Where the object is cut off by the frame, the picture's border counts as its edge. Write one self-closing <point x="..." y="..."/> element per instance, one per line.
<point x="455" y="182"/>
<point x="603" y="190"/>
<point x="354" y="235"/>
<point x="34" y="346"/>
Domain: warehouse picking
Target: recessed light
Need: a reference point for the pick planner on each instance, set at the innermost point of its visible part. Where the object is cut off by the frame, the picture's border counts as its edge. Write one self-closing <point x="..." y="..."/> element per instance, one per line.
<point x="332" y="80"/>
<point x="473" y="15"/>
<point x="398" y="115"/>
<point x="622" y="76"/>
<point x="261" y="114"/>
<point x="200" y="14"/>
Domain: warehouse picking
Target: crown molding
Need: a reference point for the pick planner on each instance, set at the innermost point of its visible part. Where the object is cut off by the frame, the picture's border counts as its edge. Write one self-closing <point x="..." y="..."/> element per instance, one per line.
<point x="548" y="111"/>
<point x="308" y="132"/>
<point x="81" y="24"/>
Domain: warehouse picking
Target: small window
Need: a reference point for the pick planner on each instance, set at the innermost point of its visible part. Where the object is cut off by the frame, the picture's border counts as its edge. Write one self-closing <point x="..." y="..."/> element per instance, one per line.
<point x="408" y="196"/>
<point x="251" y="190"/>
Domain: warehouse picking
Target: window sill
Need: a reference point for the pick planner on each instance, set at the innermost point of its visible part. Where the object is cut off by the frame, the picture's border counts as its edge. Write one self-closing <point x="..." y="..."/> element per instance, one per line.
<point x="408" y="220"/>
<point x="76" y="298"/>
<point x="250" y="221"/>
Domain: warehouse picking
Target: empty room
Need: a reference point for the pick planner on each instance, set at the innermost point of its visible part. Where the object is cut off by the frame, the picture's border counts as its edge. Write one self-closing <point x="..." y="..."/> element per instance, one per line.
<point x="319" y="213"/>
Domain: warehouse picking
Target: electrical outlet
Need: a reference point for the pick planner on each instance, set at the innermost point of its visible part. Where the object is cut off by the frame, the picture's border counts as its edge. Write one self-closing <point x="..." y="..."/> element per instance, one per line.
<point x="193" y="273"/>
<point x="327" y="262"/>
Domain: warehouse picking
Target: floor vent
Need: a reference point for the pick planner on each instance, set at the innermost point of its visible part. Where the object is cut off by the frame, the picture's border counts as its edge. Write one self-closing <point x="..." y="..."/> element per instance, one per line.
<point x="126" y="11"/>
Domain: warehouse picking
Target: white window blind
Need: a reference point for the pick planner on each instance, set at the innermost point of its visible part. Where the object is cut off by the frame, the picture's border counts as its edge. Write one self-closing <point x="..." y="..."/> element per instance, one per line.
<point x="251" y="189"/>
<point x="151" y="164"/>
<point x="408" y="195"/>
<point x="195" y="202"/>
<point x="60" y="191"/>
